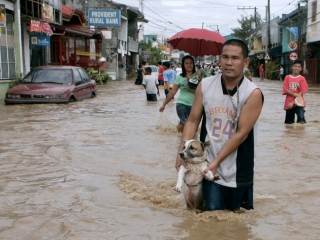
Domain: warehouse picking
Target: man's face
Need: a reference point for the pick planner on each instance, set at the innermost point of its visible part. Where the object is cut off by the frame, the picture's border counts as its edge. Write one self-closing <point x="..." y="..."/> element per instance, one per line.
<point x="233" y="62"/>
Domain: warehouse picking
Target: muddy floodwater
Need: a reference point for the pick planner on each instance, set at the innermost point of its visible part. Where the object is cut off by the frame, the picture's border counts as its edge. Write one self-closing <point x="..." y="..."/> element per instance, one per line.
<point x="103" y="168"/>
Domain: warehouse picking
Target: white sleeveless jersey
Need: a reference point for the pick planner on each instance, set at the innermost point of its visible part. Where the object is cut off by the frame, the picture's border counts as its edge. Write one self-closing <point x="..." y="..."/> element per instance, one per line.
<point x="237" y="169"/>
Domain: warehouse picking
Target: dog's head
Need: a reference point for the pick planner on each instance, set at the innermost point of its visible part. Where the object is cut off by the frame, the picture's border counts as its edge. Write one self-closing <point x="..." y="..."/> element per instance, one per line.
<point x="194" y="151"/>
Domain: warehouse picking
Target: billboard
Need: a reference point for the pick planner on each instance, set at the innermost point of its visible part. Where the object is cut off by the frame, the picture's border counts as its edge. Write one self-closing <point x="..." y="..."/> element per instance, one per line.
<point x="104" y="18"/>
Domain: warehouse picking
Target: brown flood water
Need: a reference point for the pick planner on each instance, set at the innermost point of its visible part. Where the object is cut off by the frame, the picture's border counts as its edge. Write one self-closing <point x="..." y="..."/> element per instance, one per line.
<point x="104" y="169"/>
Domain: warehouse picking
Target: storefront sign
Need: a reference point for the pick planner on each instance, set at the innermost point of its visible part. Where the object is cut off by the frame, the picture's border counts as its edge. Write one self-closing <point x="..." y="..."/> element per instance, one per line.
<point x="68" y="11"/>
<point x="35" y="26"/>
<point x="107" y="34"/>
<point x="46" y="28"/>
<point x="2" y="15"/>
<point x="47" y="12"/>
<point x="104" y="18"/>
<point x="40" y="40"/>
<point x="38" y="26"/>
<point x="260" y="56"/>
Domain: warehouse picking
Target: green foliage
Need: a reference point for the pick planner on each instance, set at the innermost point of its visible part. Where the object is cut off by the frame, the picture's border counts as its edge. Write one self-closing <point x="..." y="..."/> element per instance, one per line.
<point x="155" y="56"/>
<point x="100" y="78"/>
<point x="245" y="30"/>
<point x="155" y="53"/>
<point x="247" y="73"/>
<point x="272" y="70"/>
<point x="131" y="75"/>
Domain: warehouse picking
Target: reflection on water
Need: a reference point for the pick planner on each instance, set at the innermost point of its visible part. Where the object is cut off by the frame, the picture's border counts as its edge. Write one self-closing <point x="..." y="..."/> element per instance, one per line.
<point x="103" y="168"/>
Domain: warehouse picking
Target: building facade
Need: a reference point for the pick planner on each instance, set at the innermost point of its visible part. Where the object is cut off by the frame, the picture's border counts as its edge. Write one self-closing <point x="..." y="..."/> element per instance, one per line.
<point x="10" y="45"/>
<point x="311" y="48"/>
<point x="120" y="43"/>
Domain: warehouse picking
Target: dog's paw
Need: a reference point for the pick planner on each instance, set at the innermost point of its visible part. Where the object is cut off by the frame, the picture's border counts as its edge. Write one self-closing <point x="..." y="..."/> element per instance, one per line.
<point x="176" y="188"/>
<point x="216" y="177"/>
<point x="209" y="176"/>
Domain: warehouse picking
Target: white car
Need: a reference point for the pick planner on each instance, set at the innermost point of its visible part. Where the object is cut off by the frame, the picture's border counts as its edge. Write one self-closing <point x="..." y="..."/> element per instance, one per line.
<point x="154" y="70"/>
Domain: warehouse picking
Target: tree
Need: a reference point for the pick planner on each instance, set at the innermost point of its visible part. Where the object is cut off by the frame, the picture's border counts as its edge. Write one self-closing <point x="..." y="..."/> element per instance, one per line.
<point x="246" y="30"/>
<point x="154" y="52"/>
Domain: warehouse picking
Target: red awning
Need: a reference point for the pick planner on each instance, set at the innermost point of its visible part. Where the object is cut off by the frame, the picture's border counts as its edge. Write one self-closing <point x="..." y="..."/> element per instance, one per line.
<point x="79" y="30"/>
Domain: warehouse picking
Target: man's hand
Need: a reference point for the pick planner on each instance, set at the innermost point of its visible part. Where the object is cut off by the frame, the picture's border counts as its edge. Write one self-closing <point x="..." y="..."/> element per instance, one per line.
<point x="213" y="168"/>
<point x="179" y="162"/>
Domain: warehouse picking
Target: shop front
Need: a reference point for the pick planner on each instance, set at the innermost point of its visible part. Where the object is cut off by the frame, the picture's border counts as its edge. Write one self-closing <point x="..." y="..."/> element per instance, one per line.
<point x="70" y="43"/>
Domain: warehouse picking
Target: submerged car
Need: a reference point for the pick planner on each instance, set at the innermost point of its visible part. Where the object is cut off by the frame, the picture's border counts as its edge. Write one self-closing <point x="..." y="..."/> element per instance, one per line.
<point x="52" y="84"/>
<point x="154" y="70"/>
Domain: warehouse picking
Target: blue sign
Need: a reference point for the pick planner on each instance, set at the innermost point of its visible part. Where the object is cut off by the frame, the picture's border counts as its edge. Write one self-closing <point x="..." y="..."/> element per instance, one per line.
<point x="104" y="18"/>
<point x="293" y="30"/>
<point x="40" y="40"/>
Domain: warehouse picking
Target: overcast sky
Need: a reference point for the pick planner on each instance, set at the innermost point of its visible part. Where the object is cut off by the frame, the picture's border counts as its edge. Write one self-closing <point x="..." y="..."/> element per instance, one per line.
<point x="168" y="17"/>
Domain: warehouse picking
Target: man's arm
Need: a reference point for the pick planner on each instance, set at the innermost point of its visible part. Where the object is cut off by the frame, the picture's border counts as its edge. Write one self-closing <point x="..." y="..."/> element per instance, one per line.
<point x="192" y="124"/>
<point x="248" y="117"/>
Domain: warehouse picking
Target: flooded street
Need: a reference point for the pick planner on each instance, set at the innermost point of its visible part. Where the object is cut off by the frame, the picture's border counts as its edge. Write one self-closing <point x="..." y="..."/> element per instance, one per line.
<point x="103" y="168"/>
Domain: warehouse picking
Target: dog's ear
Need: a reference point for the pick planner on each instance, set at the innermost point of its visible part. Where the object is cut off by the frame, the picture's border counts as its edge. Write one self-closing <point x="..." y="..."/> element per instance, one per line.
<point x="183" y="142"/>
<point x="205" y="145"/>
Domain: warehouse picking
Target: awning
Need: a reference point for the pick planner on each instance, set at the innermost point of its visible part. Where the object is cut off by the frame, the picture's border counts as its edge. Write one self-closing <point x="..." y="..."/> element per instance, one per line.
<point x="276" y="50"/>
<point x="257" y="53"/>
<point x="79" y="30"/>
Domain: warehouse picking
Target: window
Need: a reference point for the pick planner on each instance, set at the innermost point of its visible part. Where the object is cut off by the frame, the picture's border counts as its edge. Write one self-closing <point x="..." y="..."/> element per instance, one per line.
<point x="7" y="59"/>
<point x="77" y="77"/>
<point x="314" y="11"/>
<point x="33" y="9"/>
<point x="84" y="75"/>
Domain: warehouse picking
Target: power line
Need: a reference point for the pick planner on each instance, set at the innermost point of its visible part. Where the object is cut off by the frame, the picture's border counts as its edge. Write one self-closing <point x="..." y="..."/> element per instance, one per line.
<point x="161" y="16"/>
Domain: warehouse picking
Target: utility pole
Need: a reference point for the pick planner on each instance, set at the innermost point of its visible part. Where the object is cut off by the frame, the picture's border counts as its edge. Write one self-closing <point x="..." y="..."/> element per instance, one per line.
<point x="255" y="13"/>
<point x="141" y="28"/>
<point x="299" y="34"/>
<point x="210" y="26"/>
<point x="269" y="27"/>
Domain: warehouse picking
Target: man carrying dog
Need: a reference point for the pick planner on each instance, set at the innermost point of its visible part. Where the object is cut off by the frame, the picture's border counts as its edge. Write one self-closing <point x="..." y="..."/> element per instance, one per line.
<point x="231" y="105"/>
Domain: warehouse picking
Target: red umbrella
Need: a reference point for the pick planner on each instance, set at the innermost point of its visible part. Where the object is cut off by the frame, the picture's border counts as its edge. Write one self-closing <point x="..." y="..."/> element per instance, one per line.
<point x="197" y="42"/>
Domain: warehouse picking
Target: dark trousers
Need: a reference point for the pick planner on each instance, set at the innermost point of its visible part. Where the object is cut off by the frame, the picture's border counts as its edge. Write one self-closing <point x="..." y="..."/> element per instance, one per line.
<point x="151" y="97"/>
<point x="290" y="114"/>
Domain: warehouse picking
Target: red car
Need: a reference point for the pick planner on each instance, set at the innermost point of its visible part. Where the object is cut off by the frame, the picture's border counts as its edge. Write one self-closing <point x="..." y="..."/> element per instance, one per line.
<point x="52" y="84"/>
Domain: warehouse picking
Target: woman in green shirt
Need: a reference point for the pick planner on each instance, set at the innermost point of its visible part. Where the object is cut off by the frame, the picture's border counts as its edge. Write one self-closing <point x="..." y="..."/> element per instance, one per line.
<point x="187" y="82"/>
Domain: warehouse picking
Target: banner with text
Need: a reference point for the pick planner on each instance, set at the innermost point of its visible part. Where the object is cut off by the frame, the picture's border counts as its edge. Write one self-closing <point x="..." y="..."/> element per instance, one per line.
<point x="104" y="18"/>
<point x="40" y="40"/>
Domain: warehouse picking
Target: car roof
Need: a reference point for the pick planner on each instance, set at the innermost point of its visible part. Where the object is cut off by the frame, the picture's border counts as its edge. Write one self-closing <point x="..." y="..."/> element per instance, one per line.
<point x="56" y="67"/>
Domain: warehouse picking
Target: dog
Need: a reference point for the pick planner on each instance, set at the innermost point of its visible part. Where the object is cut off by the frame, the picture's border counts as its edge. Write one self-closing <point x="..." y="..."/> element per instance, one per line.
<point x="190" y="180"/>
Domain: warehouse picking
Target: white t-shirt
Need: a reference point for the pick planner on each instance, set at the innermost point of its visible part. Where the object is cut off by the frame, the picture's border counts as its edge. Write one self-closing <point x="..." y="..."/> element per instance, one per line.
<point x="151" y="83"/>
<point x="178" y="70"/>
<point x="281" y="71"/>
